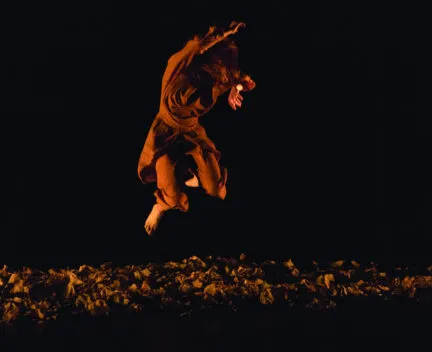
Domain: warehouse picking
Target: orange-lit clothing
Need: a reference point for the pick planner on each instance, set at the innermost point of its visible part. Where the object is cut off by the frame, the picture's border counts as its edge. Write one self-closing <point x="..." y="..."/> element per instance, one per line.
<point x="186" y="95"/>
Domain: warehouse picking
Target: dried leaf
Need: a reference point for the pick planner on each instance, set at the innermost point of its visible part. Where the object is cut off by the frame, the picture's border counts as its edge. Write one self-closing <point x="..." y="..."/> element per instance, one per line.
<point x="197" y="283"/>
<point x="355" y="264"/>
<point x="328" y="279"/>
<point x="210" y="289"/>
<point x="289" y="264"/>
<point x="338" y="264"/>
<point x="13" y="278"/>
<point x="266" y="296"/>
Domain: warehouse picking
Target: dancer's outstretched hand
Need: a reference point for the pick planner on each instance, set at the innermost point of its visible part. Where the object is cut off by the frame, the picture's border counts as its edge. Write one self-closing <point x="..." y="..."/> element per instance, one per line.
<point x="235" y="26"/>
<point x="234" y="98"/>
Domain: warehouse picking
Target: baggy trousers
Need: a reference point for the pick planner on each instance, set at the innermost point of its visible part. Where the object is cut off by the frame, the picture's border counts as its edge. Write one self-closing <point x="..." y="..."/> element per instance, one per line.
<point x="211" y="175"/>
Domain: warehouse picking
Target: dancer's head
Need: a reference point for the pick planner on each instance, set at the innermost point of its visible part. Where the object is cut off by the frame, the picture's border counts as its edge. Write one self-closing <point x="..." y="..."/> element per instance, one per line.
<point x="221" y="61"/>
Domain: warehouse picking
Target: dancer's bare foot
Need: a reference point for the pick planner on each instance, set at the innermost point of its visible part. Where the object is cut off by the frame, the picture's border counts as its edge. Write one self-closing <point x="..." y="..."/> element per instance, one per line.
<point x="192" y="182"/>
<point x="153" y="219"/>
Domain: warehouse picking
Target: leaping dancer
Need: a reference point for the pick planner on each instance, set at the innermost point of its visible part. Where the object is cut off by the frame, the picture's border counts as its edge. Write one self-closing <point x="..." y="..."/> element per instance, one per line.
<point x="195" y="77"/>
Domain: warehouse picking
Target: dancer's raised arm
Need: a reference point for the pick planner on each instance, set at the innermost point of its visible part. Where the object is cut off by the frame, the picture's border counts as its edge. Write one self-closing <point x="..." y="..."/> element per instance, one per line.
<point x="212" y="37"/>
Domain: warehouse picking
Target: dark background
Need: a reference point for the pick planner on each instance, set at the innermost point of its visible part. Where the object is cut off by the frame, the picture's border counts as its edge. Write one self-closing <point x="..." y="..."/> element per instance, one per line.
<point x="328" y="158"/>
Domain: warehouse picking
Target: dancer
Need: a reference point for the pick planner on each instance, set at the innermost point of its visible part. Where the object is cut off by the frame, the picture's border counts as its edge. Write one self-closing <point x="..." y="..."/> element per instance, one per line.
<point x="177" y="151"/>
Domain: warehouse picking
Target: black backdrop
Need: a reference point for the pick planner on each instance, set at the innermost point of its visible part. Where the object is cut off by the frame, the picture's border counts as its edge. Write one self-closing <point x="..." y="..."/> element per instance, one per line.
<point x="328" y="158"/>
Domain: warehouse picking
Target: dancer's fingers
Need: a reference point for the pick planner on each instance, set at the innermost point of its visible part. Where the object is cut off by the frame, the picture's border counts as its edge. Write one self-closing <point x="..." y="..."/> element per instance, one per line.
<point x="237" y="101"/>
<point x="232" y="102"/>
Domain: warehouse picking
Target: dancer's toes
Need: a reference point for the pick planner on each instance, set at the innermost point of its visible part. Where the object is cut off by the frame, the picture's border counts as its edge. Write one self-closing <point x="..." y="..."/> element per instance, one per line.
<point x="153" y="219"/>
<point x="150" y="228"/>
